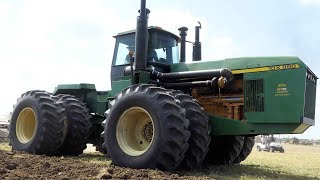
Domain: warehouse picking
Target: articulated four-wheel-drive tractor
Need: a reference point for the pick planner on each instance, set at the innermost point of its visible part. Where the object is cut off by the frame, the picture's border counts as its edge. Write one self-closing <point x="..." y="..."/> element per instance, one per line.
<point x="164" y="113"/>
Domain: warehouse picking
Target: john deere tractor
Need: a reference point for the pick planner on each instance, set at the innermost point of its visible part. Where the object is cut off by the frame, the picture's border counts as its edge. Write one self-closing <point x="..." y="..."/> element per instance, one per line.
<point x="163" y="113"/>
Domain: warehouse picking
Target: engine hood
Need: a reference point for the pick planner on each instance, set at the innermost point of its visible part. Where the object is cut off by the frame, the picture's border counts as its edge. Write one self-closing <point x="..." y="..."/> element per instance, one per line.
<point x="242" y="65"/>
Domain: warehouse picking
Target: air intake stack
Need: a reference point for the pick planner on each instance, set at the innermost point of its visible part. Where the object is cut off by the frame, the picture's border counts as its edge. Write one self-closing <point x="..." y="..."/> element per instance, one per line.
<point x="183" y="35"/>
<point x="140" y="62"/>
<point x="196" y="54"/>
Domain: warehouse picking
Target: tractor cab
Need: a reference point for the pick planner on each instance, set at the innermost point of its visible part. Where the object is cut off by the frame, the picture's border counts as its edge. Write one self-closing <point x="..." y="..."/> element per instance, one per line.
<point x="163" y="50"/>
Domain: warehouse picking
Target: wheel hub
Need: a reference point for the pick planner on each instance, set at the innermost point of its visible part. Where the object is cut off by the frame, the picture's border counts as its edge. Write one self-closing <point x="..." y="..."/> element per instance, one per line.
<point x="135" y="131"/>
<point x="148" y="131"/>
<point x="26" y="125"/>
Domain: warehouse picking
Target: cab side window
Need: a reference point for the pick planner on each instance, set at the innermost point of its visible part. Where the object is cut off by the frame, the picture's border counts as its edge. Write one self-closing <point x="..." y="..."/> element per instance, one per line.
<point x="124" y="44"/>
<point x="121" y="56"/>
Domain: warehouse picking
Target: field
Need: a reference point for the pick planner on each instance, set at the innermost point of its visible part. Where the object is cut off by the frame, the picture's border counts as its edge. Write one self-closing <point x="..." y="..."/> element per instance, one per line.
<point x="298" y="162"/>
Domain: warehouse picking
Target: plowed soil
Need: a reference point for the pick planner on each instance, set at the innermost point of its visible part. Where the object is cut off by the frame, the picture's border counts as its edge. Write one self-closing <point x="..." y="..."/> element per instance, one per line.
<point x="17" y="165"/>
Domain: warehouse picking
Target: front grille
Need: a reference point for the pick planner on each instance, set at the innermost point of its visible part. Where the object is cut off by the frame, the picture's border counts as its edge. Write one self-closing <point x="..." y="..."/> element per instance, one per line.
<point x="254" y="97"/>
<point x="310" y="101"/>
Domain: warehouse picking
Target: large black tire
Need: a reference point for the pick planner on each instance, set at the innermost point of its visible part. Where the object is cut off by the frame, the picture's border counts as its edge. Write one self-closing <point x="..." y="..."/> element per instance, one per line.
<point x="101" y="149"/>
<point x="78" y="126"/>
<point x="96" y="138"/>
<point x="37" y="124"/>
<point x="199" y="131"/>
<point x="246" y="149"/>
<point x="99" y="143"/>
<point x="223" y="150"/>
<point x="163" y="140"/>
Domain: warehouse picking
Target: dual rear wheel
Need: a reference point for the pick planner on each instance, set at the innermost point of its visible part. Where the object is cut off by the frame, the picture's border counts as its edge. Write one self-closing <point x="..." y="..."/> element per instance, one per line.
<point x="37" y="124"/>
<point x="45" y="124"/>
<point x="151" y="127"/>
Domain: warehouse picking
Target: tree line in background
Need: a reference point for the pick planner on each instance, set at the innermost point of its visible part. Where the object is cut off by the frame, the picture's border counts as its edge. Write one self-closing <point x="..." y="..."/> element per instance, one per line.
<point x="286" y="140"/>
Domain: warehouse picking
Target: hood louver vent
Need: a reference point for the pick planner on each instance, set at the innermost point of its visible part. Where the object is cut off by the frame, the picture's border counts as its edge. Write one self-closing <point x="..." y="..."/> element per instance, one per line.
<point x="254" y="95"/>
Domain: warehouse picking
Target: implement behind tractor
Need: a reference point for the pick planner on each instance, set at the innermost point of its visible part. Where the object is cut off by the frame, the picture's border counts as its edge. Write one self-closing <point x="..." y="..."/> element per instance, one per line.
<point x="164" y="113"/>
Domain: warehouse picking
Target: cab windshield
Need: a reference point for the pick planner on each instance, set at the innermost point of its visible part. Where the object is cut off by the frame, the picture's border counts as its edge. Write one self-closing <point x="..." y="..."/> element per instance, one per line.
<point x="162" y="48"/>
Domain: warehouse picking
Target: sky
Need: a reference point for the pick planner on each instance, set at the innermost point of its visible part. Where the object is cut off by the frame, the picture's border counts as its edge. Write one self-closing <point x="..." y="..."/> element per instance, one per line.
<point x="45" y="43"/>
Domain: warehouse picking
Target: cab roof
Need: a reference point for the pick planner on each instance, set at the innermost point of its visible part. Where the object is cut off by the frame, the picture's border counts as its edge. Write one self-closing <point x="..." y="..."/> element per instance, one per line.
<point x="150" y="29"/>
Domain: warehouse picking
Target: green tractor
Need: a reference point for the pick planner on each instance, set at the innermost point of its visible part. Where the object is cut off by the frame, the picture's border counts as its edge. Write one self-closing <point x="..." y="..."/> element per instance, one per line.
<point x="163" y="113"/>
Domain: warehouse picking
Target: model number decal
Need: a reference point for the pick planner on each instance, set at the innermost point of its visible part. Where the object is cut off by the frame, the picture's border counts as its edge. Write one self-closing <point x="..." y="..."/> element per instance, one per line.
<point x="267" y="68"/>
<point x="283" y="67"/>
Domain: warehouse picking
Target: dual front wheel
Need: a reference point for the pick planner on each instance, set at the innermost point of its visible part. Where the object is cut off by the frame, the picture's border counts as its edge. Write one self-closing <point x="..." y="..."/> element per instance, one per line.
<point x="150" y="127"/>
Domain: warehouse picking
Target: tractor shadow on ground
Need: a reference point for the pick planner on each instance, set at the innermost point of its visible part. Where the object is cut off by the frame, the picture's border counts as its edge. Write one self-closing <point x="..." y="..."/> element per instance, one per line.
<point x="238" y="171"/>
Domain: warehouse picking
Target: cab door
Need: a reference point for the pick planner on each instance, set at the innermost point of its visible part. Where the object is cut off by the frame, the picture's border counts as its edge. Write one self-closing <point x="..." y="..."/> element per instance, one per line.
<point x="121" y="59"/>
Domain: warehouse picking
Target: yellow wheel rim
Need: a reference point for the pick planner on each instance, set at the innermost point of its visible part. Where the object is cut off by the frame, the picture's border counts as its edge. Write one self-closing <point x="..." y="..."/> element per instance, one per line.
<point x="135" y="131"/>
<point x="26" y="125"/>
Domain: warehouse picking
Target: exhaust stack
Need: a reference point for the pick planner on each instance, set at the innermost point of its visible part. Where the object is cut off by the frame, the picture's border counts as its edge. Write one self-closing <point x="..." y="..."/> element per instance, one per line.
<point x="140" y="62"/>
<point x="183" y="35"/>
<point x="196" y="54"/>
